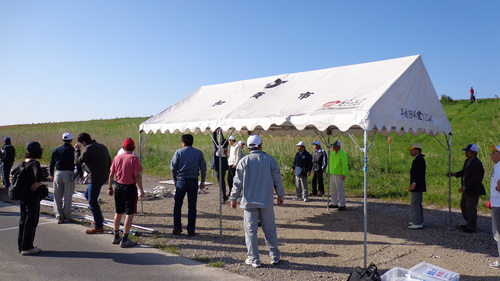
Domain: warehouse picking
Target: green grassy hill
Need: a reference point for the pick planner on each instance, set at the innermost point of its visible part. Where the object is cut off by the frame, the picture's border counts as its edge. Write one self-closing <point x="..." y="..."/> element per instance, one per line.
<point x="388" y="165"/>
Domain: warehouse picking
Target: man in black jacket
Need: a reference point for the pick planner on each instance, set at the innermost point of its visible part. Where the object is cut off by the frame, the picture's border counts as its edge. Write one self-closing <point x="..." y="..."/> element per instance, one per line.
<point x="472" y="187"/>
<point x="8" y="155"/>
<point x="417" y="186"/>
<point x="97" y="162"/>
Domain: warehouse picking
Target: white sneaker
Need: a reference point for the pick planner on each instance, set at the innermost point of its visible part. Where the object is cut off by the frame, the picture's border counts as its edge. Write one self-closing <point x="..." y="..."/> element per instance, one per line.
<point x="275" y="260"/>
<point x="253" y="262"/>
<point x="32" y="251"/>
<point x="416" y="226"/>
<point x="495" y="264"/>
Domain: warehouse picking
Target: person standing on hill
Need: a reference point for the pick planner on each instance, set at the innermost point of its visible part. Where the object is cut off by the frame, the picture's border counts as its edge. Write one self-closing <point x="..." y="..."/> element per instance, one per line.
<point x="61" y="170"/>
<point x="301" y="168"/>
<point x="97" y="162"/>
<point x="8" y="156"/>
<point x="337" y="169"/>
<point x="472" y="187"/>
<point x="127" y="169"/>
<point x="319" y="161"/>
<point x="472" y="95"/>
<point x="257" y="178"/>
<point x="187" y="163"/>
<point x="495" y="200"/>
<point x="417" y="186"/>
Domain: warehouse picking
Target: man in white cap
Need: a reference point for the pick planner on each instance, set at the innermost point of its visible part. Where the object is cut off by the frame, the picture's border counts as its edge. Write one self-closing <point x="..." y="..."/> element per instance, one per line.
<point x="257" y="178"/>
<point x="472" y="187"/>
<point x="337" y="170"/>
<point x="61" y="170"/>
<point x="301" y="169"/>
<point x="495" y="200"/>
<point x="235" y="155"/>
<point x="241" y="144"/>
<point x="417" y="186"/>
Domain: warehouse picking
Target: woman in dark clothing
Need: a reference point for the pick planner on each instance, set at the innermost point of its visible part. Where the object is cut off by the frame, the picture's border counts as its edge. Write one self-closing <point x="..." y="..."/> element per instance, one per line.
<point x="30" y="181"/>
<point x="219" y="161"/>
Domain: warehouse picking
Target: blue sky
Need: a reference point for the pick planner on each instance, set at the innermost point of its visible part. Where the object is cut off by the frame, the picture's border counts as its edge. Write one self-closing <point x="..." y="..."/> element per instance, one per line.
<point x="83" y="60"/>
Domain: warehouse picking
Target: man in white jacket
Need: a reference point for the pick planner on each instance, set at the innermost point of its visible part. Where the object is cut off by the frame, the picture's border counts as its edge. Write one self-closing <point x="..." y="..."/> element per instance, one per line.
<point x="257" y="177"/>
<point x="235" y="155"/>
<point x="495" y="200"/>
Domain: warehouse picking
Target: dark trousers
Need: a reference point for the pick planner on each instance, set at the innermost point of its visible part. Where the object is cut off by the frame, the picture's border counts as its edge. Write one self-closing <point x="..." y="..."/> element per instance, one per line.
<point x="183" y="187"/>
<point x="6" y="167"/>
<point x="230" y="175"/>
<point x="317" y="180"/>
<point x="30" y="213"/>
<point x="92" y="195"/>
<point x="221" y="178"/>
<point x="468" y="205"/>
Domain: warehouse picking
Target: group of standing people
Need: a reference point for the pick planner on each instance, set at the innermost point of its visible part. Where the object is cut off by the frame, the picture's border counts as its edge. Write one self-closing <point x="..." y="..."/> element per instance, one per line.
<point x="471" y="188"/>
<point x="335" y="166"/>
<point x="256" y="191"/>
<point x="66" y="164"/>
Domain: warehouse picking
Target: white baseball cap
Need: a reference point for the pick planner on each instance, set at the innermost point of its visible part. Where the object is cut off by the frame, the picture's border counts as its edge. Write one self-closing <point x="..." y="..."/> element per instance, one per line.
<point x="241" y="142"/>
<point x="415" y="145"/>
<point x="67" y="136"/>
<point x="495" y="147"/>
<point x="231" y="138"/>
<point x="301" y="143"/>
<point x="254" y="141"/>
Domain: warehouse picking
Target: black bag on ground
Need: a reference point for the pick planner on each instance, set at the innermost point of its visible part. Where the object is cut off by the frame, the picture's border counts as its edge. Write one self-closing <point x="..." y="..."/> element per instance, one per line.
<point x="18" y="182"/>
<point x="368" y="274"/>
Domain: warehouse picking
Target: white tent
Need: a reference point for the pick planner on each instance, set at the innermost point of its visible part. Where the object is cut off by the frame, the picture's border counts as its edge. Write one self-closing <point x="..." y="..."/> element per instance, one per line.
<point x="391" y="96"/>
<point x="385" y="96"/>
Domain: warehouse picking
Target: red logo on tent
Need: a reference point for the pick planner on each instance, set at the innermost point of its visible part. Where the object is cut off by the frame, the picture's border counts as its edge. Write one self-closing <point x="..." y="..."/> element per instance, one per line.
<point x="330" y="104"/>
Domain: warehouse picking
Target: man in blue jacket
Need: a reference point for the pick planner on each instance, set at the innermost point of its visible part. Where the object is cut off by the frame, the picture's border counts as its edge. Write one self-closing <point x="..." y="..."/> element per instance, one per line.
<point x="301" y="168"/>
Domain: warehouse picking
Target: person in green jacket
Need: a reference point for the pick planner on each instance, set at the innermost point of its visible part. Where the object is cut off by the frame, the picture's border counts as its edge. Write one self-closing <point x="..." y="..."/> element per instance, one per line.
<point x="337" y="171"/>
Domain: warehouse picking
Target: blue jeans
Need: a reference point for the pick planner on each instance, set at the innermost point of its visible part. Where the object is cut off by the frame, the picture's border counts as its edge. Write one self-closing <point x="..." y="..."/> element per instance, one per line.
<point x="92" y="194"/>
<point x="183" y="186"/>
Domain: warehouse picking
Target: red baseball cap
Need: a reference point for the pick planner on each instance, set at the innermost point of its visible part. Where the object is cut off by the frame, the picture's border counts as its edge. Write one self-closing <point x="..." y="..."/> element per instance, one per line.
<point x="128" y="143"/>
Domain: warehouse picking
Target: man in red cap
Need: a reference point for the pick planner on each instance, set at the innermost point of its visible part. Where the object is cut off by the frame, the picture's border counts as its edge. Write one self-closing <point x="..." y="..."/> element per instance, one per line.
<point x="127" y="169"/>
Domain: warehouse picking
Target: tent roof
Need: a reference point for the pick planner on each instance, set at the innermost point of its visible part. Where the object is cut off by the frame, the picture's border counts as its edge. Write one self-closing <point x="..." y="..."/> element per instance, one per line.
<point x="390" y="96"/>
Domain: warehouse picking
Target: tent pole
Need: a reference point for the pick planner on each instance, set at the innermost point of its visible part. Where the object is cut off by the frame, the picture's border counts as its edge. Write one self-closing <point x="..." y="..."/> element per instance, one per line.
<point x="365" y="196"/>
<point x="328" y="175"/>
<point x="449" y="180"/>
<point x="220" y="142"/>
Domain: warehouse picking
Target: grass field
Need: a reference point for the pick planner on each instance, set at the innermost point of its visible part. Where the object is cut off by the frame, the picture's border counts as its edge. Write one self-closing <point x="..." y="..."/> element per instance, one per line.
<point x="389" y="164"/>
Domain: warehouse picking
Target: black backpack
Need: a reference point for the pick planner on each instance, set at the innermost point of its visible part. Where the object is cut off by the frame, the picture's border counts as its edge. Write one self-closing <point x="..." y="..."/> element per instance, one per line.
<point x="18" y="184"/>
